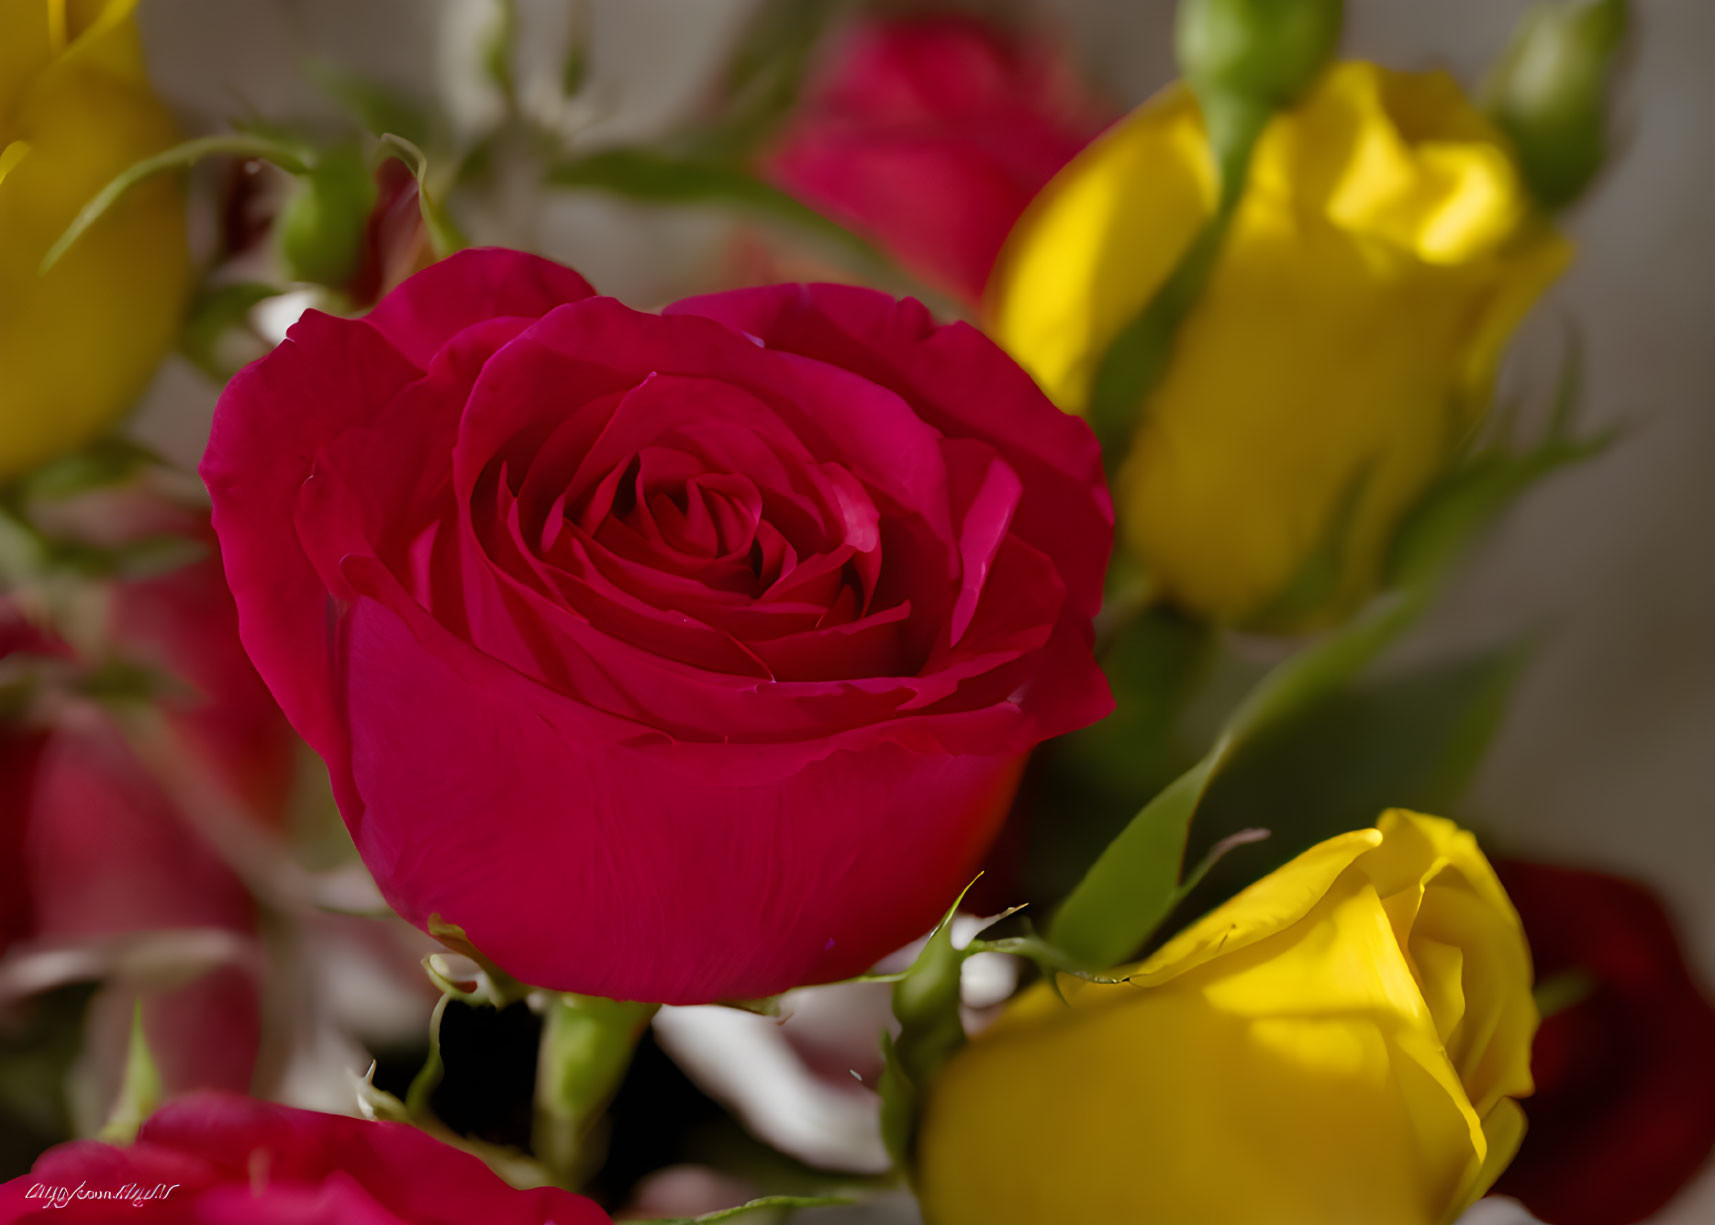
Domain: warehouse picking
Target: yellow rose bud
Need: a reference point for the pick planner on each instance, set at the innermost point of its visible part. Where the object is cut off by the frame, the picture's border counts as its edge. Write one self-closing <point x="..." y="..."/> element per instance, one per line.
<point x="1344" y="346"/>
<point x="1340" y="1044"/>
<point x="78" y="345"/>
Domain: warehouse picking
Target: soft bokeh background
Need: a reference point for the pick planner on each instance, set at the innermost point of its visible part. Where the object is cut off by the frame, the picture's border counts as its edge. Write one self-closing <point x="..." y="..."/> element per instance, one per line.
<point x="1608" y="756"/>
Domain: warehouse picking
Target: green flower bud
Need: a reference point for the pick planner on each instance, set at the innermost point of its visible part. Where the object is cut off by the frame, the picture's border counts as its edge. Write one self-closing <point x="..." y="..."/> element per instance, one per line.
<point x="1550" y="94"/>
<point x="1263" y="51"/>
<point x="321" y="228"/>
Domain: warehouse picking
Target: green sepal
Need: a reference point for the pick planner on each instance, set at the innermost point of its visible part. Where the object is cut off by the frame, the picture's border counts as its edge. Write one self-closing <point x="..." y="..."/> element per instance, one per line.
<point x="486" y="984"/>
<point x="926" y="1006"/>
<point x="783" y="1206"/>
<point x="429" y="1076"/>
<point x="445" y="237"/>
<point x="141" y="1090"/>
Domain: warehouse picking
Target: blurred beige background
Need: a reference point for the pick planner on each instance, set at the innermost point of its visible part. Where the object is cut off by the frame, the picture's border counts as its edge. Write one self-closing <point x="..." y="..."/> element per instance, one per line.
<point x="1609" y="755"/>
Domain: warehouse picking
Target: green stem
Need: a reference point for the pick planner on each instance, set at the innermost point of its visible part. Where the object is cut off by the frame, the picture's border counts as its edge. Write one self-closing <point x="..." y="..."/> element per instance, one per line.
<point x="586" y="1048"/>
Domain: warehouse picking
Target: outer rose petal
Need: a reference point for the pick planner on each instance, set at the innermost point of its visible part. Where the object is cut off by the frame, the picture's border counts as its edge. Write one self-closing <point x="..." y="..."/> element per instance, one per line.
<point x="714" y="890"/>
<point x="241" y="1162"/>
<point x="327" y="377"/>
<point x="463" y="290"/>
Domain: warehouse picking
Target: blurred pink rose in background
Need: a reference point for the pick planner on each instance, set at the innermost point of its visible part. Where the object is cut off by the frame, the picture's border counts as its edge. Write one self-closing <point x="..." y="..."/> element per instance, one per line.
<point x="95" y="851"/>
<point x="929" y="135"/>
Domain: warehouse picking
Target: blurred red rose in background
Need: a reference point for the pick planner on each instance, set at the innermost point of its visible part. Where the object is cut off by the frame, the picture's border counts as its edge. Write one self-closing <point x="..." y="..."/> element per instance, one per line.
<point x="678" y="657"/>
<point x="1624" y="1111"/>
<point x="96" y="852"/>
<point x="216" y="1158"/>
<point x="931" y="134"/>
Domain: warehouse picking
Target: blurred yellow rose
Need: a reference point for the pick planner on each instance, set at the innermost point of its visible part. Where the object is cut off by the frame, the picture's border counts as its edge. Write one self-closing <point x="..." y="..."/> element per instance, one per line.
<point x="78" y="345"/>
<point x="1383" y="251"/>
<point x="1339" y="1044"/>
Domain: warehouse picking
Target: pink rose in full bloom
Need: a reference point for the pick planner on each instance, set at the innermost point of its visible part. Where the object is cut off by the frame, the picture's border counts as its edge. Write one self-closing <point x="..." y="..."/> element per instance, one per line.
<point x="931" y="135"/>
<point x="678" y="657"/>
<point x="215" y="1159"/>
<point x="92" y="848"/>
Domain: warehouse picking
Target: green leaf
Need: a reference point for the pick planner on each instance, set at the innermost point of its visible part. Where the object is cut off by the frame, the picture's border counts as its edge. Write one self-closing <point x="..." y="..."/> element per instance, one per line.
<point x="660" y="177"/>
<point x="1134" y="884"/>
<point x="780" y="1205"/>
<point x="141" y="1090"/>
<point x="1409" y="739"/>
<point x="286" y="155"/>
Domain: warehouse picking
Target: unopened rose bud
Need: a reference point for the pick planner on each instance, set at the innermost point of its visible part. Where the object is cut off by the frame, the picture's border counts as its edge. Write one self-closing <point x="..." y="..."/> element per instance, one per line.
<point x="321" y="228"/>
<point x="1550" y="94"/>
<point x="1263" y="51"/>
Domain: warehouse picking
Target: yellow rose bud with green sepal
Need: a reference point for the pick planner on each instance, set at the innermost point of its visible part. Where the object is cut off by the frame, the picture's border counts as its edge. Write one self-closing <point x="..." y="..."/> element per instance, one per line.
<point x="79" y="344"/>
<point x="1340" y="1044"/>
<point x="1343" y="349"/>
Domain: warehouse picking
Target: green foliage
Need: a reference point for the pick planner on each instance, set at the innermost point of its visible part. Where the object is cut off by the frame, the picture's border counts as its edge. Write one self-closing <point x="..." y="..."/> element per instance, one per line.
<point x="658" y="176"/>
<point x="1411" y="739"/>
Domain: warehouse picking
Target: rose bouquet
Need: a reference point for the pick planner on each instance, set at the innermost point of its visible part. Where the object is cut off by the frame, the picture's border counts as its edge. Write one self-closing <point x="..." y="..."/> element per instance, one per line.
<point x="926" y="707"/>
